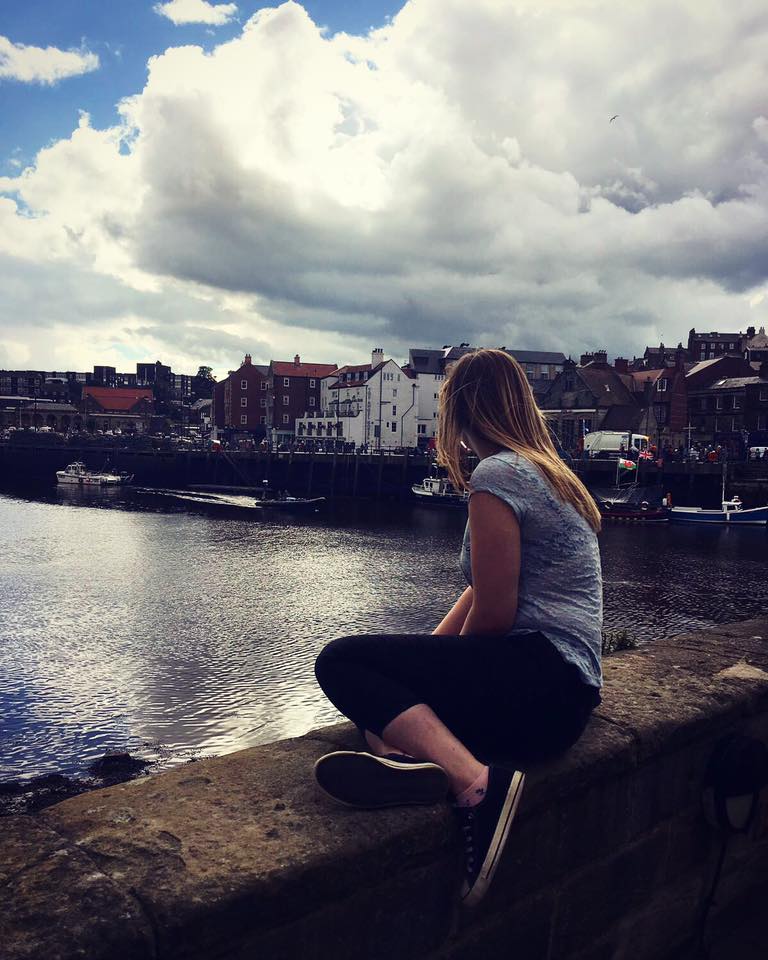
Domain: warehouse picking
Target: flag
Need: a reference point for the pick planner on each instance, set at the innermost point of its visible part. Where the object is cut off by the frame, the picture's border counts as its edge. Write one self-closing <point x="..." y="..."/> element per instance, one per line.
<point x="627" y="464"/>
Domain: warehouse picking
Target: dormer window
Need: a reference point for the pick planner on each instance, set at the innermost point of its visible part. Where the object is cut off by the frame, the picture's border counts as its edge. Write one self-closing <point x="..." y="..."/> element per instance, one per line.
<point x="661" y="385"/>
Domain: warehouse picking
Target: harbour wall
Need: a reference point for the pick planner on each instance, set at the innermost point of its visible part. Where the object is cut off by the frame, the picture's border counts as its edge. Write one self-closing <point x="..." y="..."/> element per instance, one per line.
<point x="241" y="856"/>
<point x="345" y="475"/>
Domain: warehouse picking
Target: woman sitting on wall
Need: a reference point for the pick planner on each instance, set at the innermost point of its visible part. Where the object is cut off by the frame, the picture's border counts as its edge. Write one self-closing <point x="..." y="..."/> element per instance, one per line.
<point x="513" y="670"/>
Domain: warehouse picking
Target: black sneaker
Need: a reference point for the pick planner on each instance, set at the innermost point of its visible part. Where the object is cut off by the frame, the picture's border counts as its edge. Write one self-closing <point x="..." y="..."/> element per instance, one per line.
<point x="485" y="828"/>
<point x="364" y="780"/>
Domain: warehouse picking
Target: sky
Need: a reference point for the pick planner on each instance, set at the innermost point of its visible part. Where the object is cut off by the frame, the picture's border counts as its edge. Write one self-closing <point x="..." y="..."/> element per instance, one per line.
<point x="190" y="181"/>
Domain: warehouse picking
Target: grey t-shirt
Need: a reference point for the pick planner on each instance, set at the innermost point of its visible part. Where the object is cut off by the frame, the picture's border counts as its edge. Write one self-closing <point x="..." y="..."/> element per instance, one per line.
<point x="560" y="591"/>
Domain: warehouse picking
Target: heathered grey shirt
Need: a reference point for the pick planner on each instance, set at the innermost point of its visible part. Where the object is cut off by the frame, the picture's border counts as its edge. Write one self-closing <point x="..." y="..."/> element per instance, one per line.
<point x="560" y="592"/>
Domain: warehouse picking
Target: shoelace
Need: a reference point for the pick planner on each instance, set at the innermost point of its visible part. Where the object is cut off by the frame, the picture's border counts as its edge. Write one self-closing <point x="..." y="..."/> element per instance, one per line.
<point x="468" y="828"/>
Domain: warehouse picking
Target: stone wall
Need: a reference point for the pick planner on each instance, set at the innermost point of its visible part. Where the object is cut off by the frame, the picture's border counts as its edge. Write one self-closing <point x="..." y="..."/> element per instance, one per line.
<point x="241" y="856"/>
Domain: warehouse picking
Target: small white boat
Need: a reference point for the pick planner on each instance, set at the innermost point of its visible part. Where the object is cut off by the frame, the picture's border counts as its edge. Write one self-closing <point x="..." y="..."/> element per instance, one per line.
<point x="439" y="490"/>
<point x="76" y="473"/>
<point x="268" y="499"/>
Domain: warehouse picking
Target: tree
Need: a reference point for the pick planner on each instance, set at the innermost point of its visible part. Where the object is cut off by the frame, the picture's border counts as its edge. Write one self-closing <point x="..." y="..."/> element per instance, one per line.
<point x="205" y="373"/>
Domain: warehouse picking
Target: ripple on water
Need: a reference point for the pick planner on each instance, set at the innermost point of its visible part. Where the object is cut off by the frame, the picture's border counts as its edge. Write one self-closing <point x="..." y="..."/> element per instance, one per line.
<point x="144" y="623"/>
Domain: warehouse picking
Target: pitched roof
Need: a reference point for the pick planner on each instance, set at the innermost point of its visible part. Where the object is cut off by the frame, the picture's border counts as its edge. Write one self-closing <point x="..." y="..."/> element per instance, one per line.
<point x="536" y="356"/>
<point x="118" y="398"/>
<point x="647" y="376"/>
<point x="759" y="341"/>
<point x="731" y="383"/>
<point x="288" y="368"/>
<point x="422" y="360"/>
<point x="609" y="386"/>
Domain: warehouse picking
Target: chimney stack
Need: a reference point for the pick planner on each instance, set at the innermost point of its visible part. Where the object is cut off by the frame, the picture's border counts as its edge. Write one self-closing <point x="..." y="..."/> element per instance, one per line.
<point x="586" y="358"/>
<point x="377" y="356"/>
<point x="621" y="365"/>
<point x="296" y="360"/>
<point x="247" y="361"/>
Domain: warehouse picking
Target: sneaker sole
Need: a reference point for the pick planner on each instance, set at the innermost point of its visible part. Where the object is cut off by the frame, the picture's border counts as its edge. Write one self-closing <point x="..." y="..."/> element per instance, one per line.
<point x="473" y="896"/>
<point x="363" y="780"/>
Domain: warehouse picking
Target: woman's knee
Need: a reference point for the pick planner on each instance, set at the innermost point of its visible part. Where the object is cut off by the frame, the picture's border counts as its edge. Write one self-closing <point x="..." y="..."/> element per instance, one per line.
<point x="330" y="658"/>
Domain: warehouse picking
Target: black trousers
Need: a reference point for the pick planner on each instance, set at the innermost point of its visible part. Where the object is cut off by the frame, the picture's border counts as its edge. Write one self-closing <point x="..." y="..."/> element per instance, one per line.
<point x="512" y="699"/>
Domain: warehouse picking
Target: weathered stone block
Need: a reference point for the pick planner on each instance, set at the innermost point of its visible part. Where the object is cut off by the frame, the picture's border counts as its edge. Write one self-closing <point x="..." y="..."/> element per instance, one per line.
<point x="521" y="931"/>
<point x="591" y="898"/>
<point x="56" y="904"/>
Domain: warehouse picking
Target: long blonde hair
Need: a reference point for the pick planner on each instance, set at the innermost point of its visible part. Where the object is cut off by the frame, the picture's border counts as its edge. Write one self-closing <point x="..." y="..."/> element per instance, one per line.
<point x="487" y="394"/>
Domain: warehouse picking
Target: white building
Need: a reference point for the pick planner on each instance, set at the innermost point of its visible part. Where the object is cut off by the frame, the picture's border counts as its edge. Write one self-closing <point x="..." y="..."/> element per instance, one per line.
<point x="373" y="405"/>
<point x="427" y="368"/>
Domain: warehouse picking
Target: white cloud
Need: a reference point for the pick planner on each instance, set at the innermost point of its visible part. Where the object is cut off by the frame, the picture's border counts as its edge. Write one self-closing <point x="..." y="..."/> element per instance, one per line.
<point x="452" y="176"/>
<point x="197" y="11"/>
<point x="46" y="65"/>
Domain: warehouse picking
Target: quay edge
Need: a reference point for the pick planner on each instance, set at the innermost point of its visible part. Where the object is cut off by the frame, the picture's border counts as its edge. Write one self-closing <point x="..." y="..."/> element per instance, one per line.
<point x="242" y="856"/>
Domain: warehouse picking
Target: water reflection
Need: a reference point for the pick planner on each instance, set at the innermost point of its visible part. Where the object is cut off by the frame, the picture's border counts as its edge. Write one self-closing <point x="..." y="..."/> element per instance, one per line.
<point x="144" y="621"/>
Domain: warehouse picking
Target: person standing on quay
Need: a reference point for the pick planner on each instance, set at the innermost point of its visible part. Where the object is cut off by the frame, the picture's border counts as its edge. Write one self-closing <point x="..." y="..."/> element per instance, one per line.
<point x="513" y="671"/>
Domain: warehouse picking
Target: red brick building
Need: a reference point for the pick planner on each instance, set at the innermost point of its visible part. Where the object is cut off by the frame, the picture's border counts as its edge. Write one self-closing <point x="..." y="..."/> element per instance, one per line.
<point x="294" y="392"/>
<point x="241" y="402"/>
<point x="128" y="409"/>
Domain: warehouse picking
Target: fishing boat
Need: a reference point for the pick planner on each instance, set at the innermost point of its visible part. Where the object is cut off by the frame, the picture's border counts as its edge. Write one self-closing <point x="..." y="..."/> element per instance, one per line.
<point x="632" y="512"/>
<point x="731" y="512"/>
<point x="77" y="473"/>
<point x="439" y="490"/>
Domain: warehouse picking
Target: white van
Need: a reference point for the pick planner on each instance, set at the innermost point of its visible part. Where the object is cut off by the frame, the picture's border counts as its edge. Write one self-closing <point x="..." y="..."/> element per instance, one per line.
<point x="757" y="453"/>
<point x="614" y="443"/>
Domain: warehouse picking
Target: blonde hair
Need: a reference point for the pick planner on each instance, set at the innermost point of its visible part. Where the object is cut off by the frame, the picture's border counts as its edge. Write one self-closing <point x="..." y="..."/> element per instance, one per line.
<point x="487" y="394"/>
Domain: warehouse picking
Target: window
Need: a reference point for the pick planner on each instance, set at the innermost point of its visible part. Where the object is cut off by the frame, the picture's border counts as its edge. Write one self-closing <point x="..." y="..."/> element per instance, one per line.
<point x="286" y="381"/>
<point x="434" y="396"/>
<point x="311" y="382"/>
<point x="394" y="392"/>
<point x="661" y="385"/>
<point x="764" y="394"/>
<point x="732" y="346"/>
<point x="286" y="400"/>
<point x="718" y="403"/>
<point x="703" y="403"/>
<point x="243" y="384"/>
<point x="286" y="418"/>
<point x="243" y="401"/>
<point x="736" y="403"/>
<point x="422" y="428"/>
<point x="394" y="410"/>
<point x="263" y="384"/>
<point x="263" y="402"/>
<point x="394" y="427"/>
<point x="529" y="371"/>
<point x="244" y="418"/>
<point x="262" y="419"/>
<point x="311" y="401"/>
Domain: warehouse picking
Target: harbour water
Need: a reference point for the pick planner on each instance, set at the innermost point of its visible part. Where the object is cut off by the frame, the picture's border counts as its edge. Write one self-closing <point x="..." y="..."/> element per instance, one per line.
<point x="134" y="620"/>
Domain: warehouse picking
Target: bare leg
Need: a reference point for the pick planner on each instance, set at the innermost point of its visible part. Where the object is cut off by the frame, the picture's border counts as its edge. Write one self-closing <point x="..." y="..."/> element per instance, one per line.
<point x="419" y="732"/>
<point x="379" y="747"/>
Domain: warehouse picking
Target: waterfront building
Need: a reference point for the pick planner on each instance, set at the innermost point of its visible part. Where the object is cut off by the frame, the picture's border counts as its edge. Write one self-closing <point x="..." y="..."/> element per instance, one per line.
<point x="293" y="392"/>
<point x="663" y="398"/>
<point x="374" y="406"/>
<point x="241" y="400"/>
<point x="127" y="409"/>
<point x="710" y="346"/>
<point x="715" y="413"/>
<point x="427" y="368"/>
<point x="589" y="396"/>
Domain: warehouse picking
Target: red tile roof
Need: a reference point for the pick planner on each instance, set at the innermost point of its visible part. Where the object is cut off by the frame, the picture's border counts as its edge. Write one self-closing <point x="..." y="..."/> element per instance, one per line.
<point x="287" y="368"/>
<point x="118" y="398"/>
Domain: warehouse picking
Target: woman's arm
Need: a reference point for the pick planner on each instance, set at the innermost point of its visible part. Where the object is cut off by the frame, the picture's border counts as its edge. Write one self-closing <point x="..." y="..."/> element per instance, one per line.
<point x="453" y="621"/>
<point x="495" y="551"/>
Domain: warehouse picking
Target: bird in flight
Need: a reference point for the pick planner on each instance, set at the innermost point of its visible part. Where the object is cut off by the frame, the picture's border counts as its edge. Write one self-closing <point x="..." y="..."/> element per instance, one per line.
<point x="614" y="117"/>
